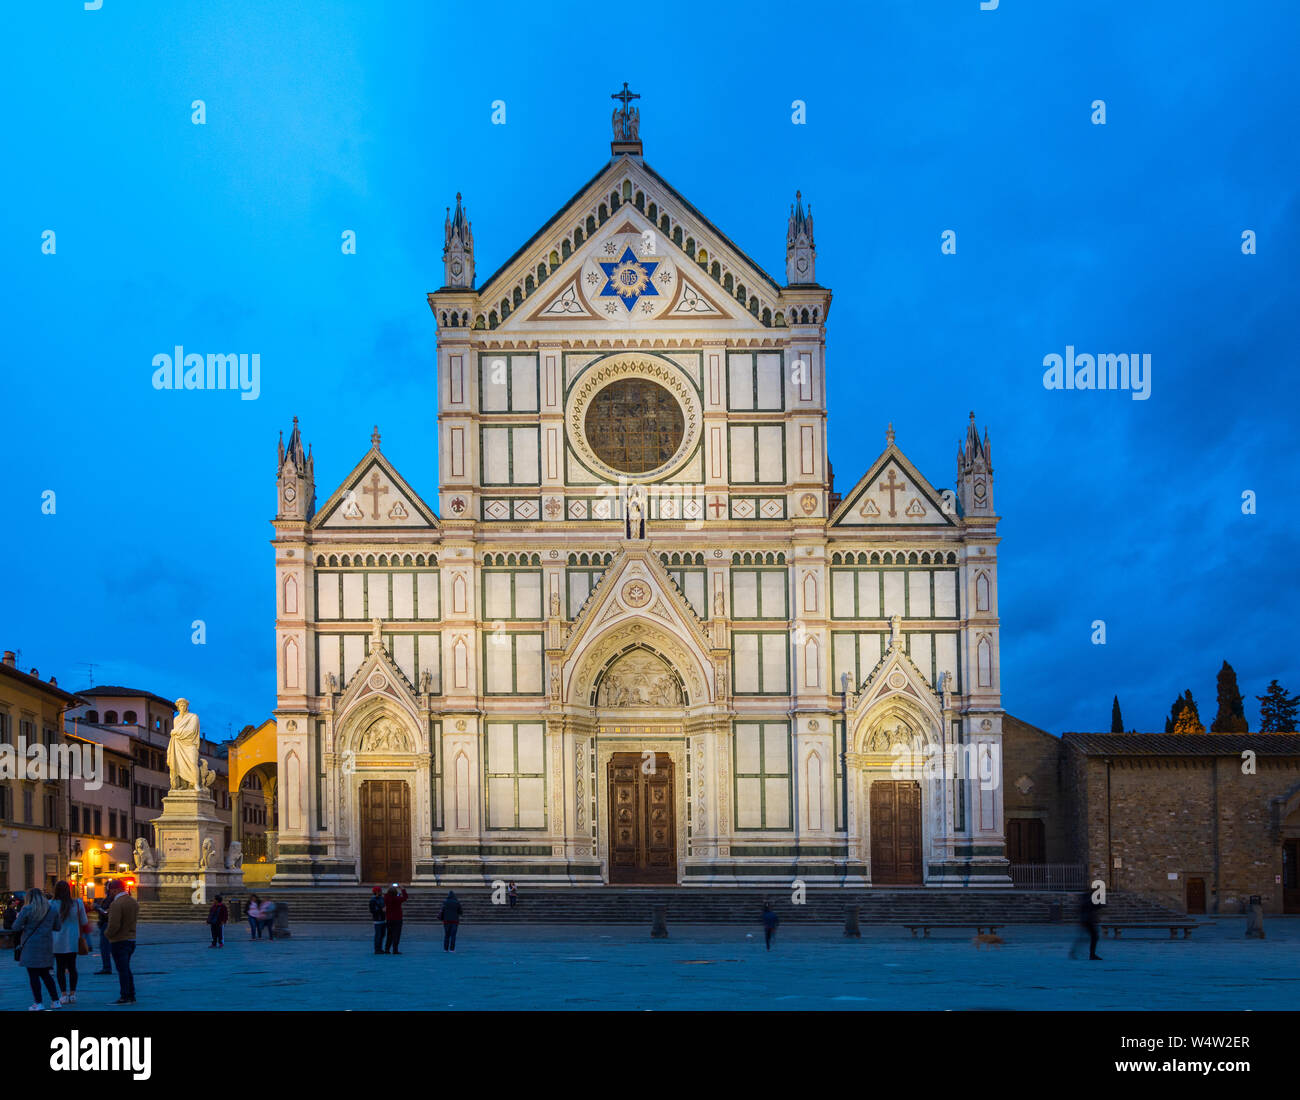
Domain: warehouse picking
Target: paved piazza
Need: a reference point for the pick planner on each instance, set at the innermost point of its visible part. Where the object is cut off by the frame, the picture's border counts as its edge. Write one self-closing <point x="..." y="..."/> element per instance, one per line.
<point x="620" y="967"/>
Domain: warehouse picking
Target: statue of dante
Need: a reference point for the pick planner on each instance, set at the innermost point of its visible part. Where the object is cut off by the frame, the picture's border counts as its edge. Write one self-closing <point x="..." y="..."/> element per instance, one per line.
<point x="183" y="748"/>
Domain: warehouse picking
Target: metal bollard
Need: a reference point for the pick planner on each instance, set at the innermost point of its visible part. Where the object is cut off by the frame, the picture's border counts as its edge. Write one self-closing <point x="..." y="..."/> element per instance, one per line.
<point x="659" y="927"/>
<point x="851" y="922"/>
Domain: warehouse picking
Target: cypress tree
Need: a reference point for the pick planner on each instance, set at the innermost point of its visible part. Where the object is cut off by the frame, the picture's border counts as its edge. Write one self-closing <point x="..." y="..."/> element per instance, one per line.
<point x="1116" y="721"/>
<point x="1189" y="718"/>
<point x="1231" y="717"/>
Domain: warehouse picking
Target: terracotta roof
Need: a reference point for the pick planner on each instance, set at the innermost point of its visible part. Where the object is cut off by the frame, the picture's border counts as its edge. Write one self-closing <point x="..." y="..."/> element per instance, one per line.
<point x="1183" y="744"/>
<point x="36" y="682"/>
<point x="109" y="690"/>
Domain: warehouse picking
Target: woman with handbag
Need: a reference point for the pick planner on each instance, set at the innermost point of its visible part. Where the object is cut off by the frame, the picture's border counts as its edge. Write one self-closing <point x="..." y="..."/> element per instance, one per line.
<point x="69" y="941"/>
<point x="36" y="924"/>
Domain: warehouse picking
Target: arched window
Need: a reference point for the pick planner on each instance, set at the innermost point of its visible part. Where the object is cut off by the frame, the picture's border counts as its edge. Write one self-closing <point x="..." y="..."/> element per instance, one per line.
<point x="92" y="716"/>
<point x="128" y="719"/>
<point x="110" y="718"/>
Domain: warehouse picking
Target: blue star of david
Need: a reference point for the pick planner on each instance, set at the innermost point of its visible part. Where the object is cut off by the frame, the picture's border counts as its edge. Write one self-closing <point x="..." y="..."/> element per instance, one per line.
<point x="629" y="279"/>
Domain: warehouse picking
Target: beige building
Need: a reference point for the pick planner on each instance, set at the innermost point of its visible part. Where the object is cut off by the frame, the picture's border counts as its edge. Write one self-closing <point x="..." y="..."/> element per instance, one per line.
<point x="33" y="812"/>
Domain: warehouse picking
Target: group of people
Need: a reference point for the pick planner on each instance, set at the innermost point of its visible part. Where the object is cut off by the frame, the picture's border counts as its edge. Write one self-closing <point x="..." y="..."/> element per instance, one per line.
<point x="386" y="915"/>
<point x="53" y="931"/>
<point x="261" y="918"/>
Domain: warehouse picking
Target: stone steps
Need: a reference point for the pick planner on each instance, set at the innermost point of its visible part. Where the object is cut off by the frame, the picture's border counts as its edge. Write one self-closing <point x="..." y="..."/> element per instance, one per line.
<point x="622" y="905"/>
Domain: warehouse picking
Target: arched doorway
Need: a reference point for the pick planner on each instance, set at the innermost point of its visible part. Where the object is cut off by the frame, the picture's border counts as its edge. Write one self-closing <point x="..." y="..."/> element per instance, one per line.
<point x="639" y="700"/>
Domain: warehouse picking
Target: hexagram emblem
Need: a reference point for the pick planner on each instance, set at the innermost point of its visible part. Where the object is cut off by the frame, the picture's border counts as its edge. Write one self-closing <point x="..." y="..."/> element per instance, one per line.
<point x="629" y="279"/>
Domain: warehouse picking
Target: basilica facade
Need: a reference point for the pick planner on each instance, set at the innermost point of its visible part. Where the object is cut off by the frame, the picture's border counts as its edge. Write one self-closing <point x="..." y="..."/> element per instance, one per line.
<point x="636" y="636"/>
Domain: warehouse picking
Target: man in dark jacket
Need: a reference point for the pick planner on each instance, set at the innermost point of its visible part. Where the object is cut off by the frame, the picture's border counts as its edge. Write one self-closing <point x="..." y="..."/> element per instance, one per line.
<point x="377" y="915"/>
<point x="449" y="914"/>
<point x="1089" y="924"/>
<point x="770" y="921"/>
<point x="105" y="948"/>
<point x="393" y="918"/>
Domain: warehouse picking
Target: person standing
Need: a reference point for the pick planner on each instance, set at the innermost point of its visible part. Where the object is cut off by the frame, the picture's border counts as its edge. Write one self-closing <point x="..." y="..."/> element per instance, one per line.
<point x="1089" y="925"/>
<point x="377" y="916"/>
<point x="105" y="948"/>
<point x="67" y="940"/>
<point x="770" y="921"/>
<point x="449" y="914"/>
<point x="217" y="917"/>
<point x="36" y="925"/>
<point x="11" y="913"/>
<point x="123" y="913"/>
<point x="267" y="921"/>
<point x="393" y="918"/>
<point x="254" y="915"/>
<point x="512" y="892"/>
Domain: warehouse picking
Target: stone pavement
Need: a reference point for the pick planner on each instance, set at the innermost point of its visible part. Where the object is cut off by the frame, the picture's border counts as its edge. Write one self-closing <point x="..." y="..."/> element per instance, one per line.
<point x="324" y="966"/>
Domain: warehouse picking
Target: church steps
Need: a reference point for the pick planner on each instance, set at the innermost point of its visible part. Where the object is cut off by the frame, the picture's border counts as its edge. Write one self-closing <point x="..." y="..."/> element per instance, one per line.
<point x="742" y="905"/>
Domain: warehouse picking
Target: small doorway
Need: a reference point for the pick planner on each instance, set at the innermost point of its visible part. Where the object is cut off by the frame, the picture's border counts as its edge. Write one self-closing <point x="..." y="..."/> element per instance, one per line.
<point x="1196" y="895"/>
<point x="642" y="827"/>
<point x="1291" y="875"/>
<point x="385" y="830"/>
<point x="895" y="824"/>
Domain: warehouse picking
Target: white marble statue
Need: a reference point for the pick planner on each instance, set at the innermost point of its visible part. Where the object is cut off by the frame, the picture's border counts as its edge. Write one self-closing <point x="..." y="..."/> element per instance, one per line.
<point x="207" y="854"/>
<point x="183" y="748"/>
<point x="234" y="856"/>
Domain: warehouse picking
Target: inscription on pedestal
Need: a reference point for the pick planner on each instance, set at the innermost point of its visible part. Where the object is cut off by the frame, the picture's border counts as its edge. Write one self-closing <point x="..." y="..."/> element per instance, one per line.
<point x="180" y="848"/>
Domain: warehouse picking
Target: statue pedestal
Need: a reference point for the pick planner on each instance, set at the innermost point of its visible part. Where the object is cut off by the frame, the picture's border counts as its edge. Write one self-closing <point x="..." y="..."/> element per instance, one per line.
<point x="188" y="819"/>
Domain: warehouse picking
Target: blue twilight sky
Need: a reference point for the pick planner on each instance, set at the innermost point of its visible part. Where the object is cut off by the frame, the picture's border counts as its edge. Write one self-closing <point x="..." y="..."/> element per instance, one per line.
<point x="921" y="117"/>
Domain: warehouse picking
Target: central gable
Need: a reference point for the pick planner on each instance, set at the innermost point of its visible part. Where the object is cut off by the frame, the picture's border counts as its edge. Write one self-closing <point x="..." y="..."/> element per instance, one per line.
<point x="628" y="251"/>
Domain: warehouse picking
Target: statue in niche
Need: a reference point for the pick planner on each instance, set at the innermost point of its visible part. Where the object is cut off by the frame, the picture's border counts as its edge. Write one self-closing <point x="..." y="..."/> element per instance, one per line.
<point x="635" y="511"/>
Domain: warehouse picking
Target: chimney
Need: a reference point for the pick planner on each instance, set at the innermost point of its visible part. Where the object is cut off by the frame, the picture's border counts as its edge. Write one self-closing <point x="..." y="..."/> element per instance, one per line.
<point x="54" y="681"/>
<point x="35" y="674"/>
<point x="9" y="658"/>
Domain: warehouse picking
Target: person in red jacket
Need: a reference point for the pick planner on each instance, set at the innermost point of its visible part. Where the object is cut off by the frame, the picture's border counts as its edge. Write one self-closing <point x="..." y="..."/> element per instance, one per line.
<point x="217" y="917"/>
<point x="393" y="918"/>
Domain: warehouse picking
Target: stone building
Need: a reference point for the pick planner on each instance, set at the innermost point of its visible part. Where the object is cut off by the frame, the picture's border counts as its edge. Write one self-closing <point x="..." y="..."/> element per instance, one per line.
<point x="636" y="635"/>
<point x="1199" y="821"/>
<point x="32" y="807"/>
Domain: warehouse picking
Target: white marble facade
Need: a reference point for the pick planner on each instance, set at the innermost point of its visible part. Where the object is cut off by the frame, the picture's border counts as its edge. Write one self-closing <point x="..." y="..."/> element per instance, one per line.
<point x="635" y="548"/>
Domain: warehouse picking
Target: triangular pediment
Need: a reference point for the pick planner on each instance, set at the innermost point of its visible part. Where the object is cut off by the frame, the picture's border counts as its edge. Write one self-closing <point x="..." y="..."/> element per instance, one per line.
<point x="894" y="494"/>
<point x="375" y="495"/>
<point x="378" y="687"/>
<point x="643" y="260"/>
<point x="636" y="585"/>
<point x="897" y="685"/>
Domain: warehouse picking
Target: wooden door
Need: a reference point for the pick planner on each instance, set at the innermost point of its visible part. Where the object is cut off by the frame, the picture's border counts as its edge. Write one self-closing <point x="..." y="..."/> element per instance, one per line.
<point x="1026" y="840"/>
<point x="642" y="819"/>
<point x="895" y="824"/>
<point x="385" y="831"/>
<point x="1291" y="876"/>
<point x="1196" y="895"/>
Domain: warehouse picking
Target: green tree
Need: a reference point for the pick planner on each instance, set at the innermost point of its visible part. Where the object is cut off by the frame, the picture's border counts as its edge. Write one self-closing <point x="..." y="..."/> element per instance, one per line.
<point x="1116" y="721"/>
<point x="1277" y="710"/>
<point x="1188" y="719"/>
<point x="1174" y="712"/>
<point x="1231" y="716"/>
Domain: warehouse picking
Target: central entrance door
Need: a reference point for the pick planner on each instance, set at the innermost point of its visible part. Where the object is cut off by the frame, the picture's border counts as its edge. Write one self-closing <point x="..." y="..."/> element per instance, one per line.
<point x="642" y="833"/>
<point x="896" y="833"/>
<point x="385" y="830"/>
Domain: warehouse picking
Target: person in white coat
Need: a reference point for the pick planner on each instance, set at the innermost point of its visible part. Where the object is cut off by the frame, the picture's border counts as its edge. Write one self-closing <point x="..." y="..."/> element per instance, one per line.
<point x="73" y="925"/>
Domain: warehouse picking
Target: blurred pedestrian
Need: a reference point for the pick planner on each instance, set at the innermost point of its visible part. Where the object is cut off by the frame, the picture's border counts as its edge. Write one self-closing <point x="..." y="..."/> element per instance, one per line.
<point x="68" y="940"/>
<point x="377" y="917"/>
<point x="1089" y="925"/>
<point x="449" y="914"/>
<point x="123" y="913"/>
<point x="254" y="915"/>
<point x="100" y="906"/>
<point x="36" y="925"/>
<point x="218" y="915"/>
<point x="512" y="892"/>
<point x="770" y="921"/>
